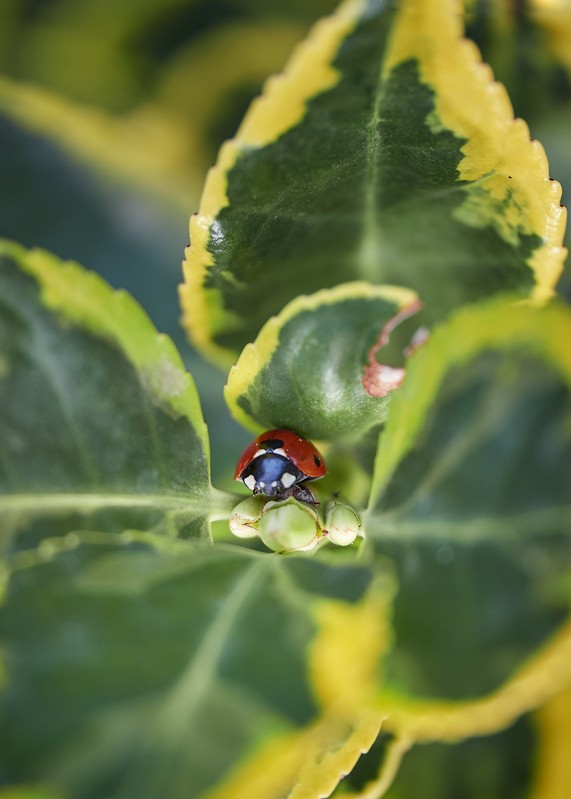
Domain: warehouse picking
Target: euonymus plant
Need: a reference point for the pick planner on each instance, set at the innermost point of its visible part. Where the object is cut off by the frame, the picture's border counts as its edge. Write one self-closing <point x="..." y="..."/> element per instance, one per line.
<point x="380" y="176"/>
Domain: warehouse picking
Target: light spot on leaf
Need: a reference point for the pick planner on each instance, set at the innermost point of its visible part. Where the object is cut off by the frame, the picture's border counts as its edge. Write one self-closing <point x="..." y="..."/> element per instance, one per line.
<point x="164" y="379"/>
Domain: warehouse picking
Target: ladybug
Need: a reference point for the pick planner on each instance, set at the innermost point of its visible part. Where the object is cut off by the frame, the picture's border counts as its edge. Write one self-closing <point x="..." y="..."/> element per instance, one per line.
<point x="278" y="464"/>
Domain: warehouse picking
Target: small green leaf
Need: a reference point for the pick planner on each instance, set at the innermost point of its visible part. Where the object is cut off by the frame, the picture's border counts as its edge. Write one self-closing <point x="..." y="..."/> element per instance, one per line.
<point x="305" y="370"/>
<point x="471" y="502"/>
<point x="100" y="424"/>
<point x="159" y="668"/>
<point x="385" y="152"/>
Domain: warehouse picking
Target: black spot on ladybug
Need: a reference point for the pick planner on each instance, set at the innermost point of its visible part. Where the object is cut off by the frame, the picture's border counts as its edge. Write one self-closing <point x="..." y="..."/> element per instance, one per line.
<point x="317" y="461"/>
<point x="271" y="444"/>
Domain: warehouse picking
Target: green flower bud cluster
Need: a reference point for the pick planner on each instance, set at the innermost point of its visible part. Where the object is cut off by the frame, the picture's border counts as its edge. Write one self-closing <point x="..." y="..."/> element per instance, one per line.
<point x="292" y="526"/>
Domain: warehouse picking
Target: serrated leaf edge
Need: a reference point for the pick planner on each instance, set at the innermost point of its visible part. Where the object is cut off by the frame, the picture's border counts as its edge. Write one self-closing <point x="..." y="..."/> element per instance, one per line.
<point x="501" y="163"/>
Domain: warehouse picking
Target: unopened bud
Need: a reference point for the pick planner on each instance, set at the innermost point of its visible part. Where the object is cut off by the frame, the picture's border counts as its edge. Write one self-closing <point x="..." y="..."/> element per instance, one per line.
<point x="244" y="517"/>
<point x="289" y="526"/>
<point x="342" y="524"/>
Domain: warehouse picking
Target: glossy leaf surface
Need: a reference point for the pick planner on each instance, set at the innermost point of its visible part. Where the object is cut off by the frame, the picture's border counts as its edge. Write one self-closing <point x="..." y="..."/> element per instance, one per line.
<point x="305" y="371"/>
<point x="100" y="423"/>
<point x="471" y="504"/>
<point x="385" y="152"/>
<point x="155" y="669"/>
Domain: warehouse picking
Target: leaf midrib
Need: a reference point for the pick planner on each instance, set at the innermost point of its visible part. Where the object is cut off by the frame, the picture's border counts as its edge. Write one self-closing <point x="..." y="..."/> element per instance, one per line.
<point x="369" y="247"/>
<point x="511" y="527"/>
<point x="190" y="690"/>
<point x="62" y="501"/>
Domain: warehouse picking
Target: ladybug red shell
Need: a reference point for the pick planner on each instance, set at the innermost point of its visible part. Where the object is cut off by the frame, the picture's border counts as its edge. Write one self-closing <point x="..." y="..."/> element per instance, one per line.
<point x="278" y="463"/>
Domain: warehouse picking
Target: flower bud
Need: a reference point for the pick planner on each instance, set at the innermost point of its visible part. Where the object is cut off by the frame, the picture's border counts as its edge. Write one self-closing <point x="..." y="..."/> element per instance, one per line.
<point x="245" y="515"/>
<point x="289" y="526"/>
<point x="342" y="524"/>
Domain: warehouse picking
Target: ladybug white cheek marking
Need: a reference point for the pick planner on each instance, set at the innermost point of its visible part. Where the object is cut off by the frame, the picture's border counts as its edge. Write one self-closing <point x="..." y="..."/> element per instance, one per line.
<point x="288" y="479"/>
<point x="250" y="482"/>
<point x="281" y="452"/>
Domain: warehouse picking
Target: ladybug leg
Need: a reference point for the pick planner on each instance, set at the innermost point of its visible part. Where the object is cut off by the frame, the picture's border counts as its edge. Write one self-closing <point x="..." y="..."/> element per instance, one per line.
<point x="303" y="494"/>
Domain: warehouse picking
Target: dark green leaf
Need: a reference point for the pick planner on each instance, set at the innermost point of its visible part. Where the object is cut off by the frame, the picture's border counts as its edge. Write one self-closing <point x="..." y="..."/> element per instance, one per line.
<point x="100" y="424"/>
<point x="471" y="504"/>
<point x="383" y="153"/>
<point x="140" y="667"/>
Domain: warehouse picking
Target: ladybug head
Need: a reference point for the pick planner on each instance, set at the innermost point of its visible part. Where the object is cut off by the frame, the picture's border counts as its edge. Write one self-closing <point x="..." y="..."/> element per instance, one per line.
<point x="272" y="475"/>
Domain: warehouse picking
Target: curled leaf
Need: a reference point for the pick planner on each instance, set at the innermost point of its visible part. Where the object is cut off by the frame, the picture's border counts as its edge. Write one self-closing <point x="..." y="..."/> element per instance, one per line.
<point x="304" y="372"/>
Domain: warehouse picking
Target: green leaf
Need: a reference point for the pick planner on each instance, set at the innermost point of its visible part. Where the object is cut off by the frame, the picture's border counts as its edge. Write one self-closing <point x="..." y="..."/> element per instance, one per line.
<point x="471" y="503"/>
<point x="161" y="668"/>
<point x="100" y="424"/>
<point x="386" y="153"/>
<point x="314" y="353"/>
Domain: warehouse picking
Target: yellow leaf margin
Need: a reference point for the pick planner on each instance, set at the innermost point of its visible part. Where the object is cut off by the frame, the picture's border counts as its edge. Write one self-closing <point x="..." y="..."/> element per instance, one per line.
<point x="84" y="299"/>
<point x="508" y="174"/>
<point x="553" y="780"/>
